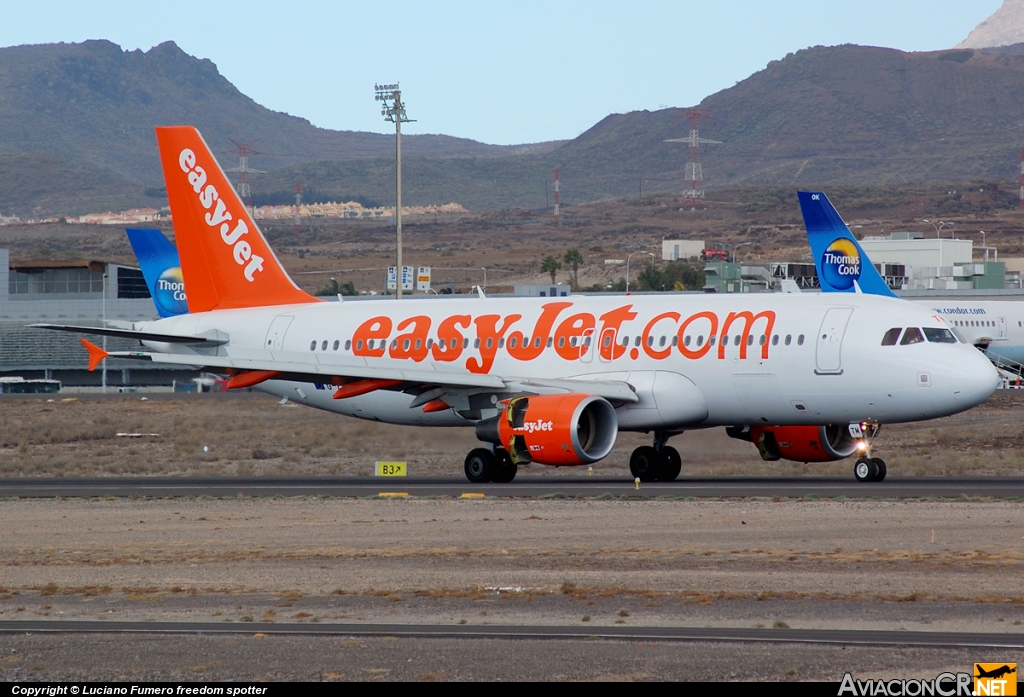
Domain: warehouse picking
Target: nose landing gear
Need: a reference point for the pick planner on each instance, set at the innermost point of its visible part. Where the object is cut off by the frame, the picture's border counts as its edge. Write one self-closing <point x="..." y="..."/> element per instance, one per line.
<point x="869" y="469"/>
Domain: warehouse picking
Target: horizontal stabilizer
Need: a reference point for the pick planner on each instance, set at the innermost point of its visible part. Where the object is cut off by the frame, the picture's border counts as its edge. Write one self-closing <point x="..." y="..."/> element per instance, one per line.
<point x="141" y="336"/>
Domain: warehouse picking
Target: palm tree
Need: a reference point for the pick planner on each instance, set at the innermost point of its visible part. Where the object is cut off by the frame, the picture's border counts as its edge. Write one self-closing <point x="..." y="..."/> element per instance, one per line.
<point x="573" y="258"/>
<point x="551" y="265"/>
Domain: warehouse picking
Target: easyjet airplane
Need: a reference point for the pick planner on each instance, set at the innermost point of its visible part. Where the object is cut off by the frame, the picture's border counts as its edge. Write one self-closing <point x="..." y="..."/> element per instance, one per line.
<point x="552" y="381"/>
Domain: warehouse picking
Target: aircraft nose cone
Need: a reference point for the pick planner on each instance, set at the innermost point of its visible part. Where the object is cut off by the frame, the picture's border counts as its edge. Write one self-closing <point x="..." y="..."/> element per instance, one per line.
<point x="974" y="378"/>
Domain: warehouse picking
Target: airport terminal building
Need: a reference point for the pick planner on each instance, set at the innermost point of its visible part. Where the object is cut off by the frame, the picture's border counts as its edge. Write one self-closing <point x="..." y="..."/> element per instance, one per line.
<point x="79" y="293"/>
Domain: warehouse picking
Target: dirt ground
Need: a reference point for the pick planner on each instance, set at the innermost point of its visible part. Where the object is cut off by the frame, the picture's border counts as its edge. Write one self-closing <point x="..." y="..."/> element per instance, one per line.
<point x="252" y="434"/>
<point x="810" y="564"/>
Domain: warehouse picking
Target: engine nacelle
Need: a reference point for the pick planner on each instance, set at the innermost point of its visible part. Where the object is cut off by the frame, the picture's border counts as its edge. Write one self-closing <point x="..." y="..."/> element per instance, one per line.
<point x="565" y="429"/>
<point x="803" y="443"/>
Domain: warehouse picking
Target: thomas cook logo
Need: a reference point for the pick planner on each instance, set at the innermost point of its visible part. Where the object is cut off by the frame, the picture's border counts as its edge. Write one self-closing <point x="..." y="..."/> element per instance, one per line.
<point x="840" y="264"/>
<point x="995" y="679"/>
<point x="170" y="292"/>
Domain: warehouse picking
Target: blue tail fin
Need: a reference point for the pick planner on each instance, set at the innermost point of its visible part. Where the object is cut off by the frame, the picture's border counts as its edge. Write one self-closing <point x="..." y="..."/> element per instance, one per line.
<point x="842" y="265"/>
<point x="158" y="259"/>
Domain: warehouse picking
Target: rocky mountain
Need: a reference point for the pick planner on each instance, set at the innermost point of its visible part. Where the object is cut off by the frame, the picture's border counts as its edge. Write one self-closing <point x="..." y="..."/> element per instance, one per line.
<point x="1004" y="27"/>
<point x="94" y="105"/>
<point x="818" y="117"/>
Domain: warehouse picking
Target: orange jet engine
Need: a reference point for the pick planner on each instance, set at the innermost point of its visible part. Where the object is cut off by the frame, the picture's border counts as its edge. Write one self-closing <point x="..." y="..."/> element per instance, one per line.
<point x="564" y="429"/>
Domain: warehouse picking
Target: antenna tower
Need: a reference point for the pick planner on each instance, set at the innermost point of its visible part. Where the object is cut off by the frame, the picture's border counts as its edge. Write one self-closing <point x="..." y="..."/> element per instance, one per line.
<point x="298" y="206"/>
<point x="558" y="218"/>
<point x="693" y="169"/>
<point x="244" y="150"/>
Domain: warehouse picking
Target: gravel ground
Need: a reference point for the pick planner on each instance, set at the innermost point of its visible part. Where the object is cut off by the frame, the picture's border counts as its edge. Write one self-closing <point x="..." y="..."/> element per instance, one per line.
<point x="912" y="565"/>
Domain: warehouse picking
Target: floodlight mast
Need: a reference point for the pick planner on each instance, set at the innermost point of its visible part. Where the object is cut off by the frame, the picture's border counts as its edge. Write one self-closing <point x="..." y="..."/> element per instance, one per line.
<point x="392" y="109"/>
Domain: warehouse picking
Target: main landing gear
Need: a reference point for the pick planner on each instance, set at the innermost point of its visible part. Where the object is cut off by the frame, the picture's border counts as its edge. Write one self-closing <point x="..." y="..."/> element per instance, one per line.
<point x="659" y="462"/>
<point x="869" y="469"/>
<point x="484" y="466"/>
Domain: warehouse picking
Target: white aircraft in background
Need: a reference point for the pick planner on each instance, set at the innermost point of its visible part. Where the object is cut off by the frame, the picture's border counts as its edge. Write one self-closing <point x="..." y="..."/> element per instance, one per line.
<point x="552" y="381"/>
<point x="996" y="327"/>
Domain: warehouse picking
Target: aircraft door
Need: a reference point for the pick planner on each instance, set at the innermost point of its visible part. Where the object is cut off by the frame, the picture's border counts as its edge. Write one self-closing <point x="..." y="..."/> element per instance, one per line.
<point x="588" y="348"/>
<point x="606" y="346"/>
<point x="828" y="356"/>
<point x="278" y="328"/>
<point x="1002" y="327"/>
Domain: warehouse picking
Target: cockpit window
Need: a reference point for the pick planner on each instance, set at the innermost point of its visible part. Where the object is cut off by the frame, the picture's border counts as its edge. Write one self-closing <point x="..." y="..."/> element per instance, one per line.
<point x="891" y="336"/>
<point x="959" y="336"/>
<point x="939" y="336"/>
<point x="912" y="336"/>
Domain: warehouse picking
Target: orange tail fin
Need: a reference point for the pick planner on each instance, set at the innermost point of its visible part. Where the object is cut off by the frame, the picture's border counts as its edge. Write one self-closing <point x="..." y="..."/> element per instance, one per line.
<point x="96" y="354"/>
<point x="225" y="260"/>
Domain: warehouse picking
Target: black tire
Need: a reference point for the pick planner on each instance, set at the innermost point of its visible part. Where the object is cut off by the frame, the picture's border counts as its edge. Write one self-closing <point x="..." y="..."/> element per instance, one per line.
<point x="865" y="470"/>
<point x="671" y="464"/>
<point x="480" y="465"/>
<point x="504" y="469"/>
<point x="645" y="463"/>
<point x="880" y="464"/>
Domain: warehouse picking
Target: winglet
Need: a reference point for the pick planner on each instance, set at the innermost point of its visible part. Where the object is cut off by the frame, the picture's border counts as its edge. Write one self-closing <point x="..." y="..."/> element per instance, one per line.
<point x="96" y="354"/>
<point x="842" y="265"/>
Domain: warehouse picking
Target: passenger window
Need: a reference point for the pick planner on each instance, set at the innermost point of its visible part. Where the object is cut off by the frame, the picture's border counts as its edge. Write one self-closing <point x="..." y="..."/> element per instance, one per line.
<point x="700" y="340"/>
<point x="453" y="344"/>
<point x="490" y="342"/>
<point x="323" y="346"/>
<point x="661" y="341"/>
<point x="465" y="343"/>
<point x="312" y="346"/>
<point x="476" y="343"/>
<point x="430" y="343"/>
<point x="750" y="339"/>
<point x="711" y="340"/>
<point x="891" y="336"/>
<point x="512" y="343"/>
<point x="348" y="344"/>
<point x="912" y="336"/>
<point x="686" y="341"/>
<point x="800" y="340"/>
<point x="675" y="340"/>
<point x="775" y="340"/>
<point x="737" y="341"/>
<point x="637" y="342"/>
<point x="789" y="339"/>
<point x="551" y="342"/>
<point x="394" y="344"/>
<point x="763" y="340"/>
<point x="336" y="344"/>
<point x="501" y="342"/>
<point x="359" y="345"/>
<point x="939" y="336"/>
<point x="561" y="342"/>
<point x="536" y="342"/>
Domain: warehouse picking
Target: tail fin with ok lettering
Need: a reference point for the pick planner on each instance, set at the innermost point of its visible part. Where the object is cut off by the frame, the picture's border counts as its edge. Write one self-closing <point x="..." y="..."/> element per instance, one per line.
<point x="842" y="265"/>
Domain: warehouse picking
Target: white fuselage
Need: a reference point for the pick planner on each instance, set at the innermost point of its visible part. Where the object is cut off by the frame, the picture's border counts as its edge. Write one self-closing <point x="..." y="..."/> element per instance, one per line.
<point x="694" y="361"/>
<point x="995" y="325"/>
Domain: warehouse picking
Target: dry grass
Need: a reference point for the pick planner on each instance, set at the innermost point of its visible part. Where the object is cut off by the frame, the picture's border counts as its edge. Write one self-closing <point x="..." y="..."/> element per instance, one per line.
<point x="250" y="434"/>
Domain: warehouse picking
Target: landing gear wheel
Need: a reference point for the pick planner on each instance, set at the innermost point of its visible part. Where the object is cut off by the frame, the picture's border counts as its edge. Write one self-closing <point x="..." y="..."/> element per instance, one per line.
<point x="880" y="463"/>
<point x="865" y="470"/>
<point x="504" y="469"/>
<point x="480" y="465"/>
<point x="645" y="463"/>
<point x="671" y="464"/>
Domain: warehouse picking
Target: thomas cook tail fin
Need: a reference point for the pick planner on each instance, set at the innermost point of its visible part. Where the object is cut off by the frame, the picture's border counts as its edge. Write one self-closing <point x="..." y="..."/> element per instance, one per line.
<point x="842" y="265"/>
<point x="161" y="268"/>
<point x="225" y="260"/>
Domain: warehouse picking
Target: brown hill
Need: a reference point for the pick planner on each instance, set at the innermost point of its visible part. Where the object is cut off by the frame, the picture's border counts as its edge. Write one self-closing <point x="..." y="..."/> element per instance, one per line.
<point x="822" y="116"/>
<point x="96" y="105"/>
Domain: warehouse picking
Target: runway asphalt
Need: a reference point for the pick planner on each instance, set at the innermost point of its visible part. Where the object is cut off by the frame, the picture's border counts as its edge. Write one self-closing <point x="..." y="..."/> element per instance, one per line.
<point x="522" y="487"/>
<point x="846" y="637"/>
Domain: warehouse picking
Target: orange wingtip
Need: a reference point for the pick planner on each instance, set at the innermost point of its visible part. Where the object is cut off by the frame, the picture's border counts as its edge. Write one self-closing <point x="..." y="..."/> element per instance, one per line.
<point x="96" y="354"/>
<point x="250" y="378"/>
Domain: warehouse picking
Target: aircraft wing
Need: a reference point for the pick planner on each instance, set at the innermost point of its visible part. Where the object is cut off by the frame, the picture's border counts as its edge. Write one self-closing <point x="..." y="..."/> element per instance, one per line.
<point x="614" y="390"/>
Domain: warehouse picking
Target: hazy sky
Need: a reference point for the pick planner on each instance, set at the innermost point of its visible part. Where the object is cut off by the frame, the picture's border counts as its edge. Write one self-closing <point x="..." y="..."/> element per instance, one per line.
<point x="499" y="72"/>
